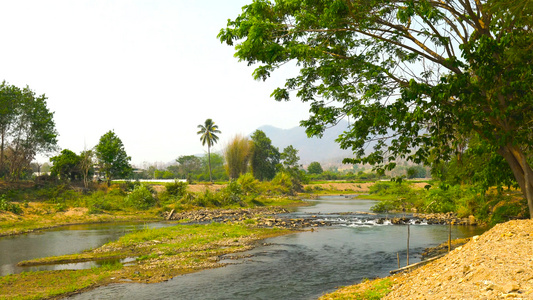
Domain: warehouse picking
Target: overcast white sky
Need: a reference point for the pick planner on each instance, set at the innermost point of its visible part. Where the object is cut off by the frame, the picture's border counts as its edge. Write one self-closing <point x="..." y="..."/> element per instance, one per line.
<point x="149" y="70"/>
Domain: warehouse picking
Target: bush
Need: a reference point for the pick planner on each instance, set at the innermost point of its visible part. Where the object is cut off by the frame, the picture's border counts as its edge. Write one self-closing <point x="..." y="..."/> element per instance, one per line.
<point x="282" y="184"/>
<point x="249" y="185"/>
<point x="232" y="194"/>
<point x="100" y="201"/>
<point x="140" y="198"/>
<point x="8" y="206"/>
<point x="176" y="188"/>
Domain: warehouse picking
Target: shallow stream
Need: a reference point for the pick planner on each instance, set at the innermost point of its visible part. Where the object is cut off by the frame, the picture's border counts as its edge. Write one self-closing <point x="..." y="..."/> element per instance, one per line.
<point x="302" y="265"/>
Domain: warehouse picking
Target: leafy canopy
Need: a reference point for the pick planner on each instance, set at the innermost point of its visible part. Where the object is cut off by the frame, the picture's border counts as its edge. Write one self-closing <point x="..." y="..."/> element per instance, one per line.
<point x="414" y="77"/>
<point x="112" y="157"/>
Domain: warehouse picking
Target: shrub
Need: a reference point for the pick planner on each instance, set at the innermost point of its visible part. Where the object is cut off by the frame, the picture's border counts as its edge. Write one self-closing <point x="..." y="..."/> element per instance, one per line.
<point x="100" y="201"/>
<point x="8" y="206"/>
<point x="249" y="185"/>
<point x="176" y="188"/>
<point x="140" y="198"/>
<point x="282" y="184"/>
<point x="232" y="194"/>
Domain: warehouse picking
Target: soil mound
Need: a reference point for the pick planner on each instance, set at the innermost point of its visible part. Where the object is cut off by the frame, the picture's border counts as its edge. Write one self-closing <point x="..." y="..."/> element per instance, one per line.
<point x="495" y="265"/>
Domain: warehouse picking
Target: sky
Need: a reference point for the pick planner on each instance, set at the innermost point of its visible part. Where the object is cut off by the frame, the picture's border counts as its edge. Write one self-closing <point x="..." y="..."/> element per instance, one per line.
<point x="150" y="70"/>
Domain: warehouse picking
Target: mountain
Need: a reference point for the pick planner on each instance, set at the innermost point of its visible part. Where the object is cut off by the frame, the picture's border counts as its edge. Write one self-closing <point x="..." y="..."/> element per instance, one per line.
<point x="323" y="150"/>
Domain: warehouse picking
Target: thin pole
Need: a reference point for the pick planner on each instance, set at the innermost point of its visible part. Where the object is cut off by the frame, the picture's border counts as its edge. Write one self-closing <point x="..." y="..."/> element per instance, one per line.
<point x="398" y="258"/>
<point x="408" y="235"/>
<point x="450" y="237"/>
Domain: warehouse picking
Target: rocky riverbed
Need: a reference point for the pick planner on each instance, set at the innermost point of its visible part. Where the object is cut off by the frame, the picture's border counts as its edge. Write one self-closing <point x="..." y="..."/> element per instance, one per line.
<point x="272" y="217"/>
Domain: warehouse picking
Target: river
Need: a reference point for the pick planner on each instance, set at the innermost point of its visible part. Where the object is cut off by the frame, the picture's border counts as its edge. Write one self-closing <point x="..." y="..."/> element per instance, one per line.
<point x="60" y="241"/>
<point x="302" y="265"/>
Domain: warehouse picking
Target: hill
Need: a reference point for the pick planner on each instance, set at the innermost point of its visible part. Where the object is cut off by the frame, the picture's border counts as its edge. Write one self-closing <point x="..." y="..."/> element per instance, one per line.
<point x="324" y="150"/>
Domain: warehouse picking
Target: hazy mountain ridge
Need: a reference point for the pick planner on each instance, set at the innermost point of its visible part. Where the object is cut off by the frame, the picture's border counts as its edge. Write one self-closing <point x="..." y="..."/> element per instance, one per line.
<point x="324" y="150"/>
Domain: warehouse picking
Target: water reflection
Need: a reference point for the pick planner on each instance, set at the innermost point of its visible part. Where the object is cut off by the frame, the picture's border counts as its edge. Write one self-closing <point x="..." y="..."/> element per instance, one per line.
<point x="60" y="241"/>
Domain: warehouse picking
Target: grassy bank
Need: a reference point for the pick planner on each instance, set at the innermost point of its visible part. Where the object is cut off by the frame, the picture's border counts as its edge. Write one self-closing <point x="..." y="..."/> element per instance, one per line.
<point x="160" y="255"/>
<point x="490" y="207"/>
<point x="27" y="206"/>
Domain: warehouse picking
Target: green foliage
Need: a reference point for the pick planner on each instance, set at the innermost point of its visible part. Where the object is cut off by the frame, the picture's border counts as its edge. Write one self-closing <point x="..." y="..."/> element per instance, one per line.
<point x="5" y="205"/>
<point x="101" y="201"/>
<point x="237" y="156"/>
<point x="396" y="196"/>
<point x="362" y="60"/>
<point x="231" y="194"/>
<point x="26" y="129"/>
<point x="416" y="172"/>
<point x="113" y="160"/>
<point x="140" y="198"/>
<point x="249" y="185"/>
<point x="208" y="135"/>
<point x="189" y="165"/>
<point x="66" y="165"/>
<point x="282" y="184"/>
<point x="315" y="168"/>
<point x="265" y="157"/>
<point x="176" y="188"/>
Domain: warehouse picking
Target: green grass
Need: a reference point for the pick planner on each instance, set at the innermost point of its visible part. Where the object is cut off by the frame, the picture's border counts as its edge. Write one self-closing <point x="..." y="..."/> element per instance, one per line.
<point x="373" y="290"/>
<point x="161" y="254"/>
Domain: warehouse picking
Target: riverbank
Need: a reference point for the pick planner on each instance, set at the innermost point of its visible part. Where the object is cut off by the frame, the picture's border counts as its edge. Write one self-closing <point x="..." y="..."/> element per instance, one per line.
<point x="156" y="255"/>
<point x="495" y="265"/>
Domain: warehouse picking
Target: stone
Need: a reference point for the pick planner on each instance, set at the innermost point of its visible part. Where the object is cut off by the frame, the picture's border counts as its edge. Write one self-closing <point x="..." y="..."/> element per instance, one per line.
<point x="510" y="287"/>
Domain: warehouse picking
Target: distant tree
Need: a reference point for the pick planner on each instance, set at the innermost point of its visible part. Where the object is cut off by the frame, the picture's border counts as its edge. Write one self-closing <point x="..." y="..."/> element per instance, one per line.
<point x="66" y="165"/>
<point x="290" y="159"/>
<point x="315" y="168"/>
<point x="112" y="158"/>
<point x="163" y="174"/>
<point x="188" y="165"/>
<point x="237" y="156"/>
<point x="175" y="170"/>
<point x="208" y="135"/>
<point x="218" y="170"/>
<point x="416" y="172"/>
<point x="86" y="165"/>
<point x="265" y="157"/>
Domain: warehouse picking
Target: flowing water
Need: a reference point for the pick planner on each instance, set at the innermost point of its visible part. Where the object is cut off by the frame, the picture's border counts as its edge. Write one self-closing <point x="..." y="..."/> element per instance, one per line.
<point x="302" y="265"/>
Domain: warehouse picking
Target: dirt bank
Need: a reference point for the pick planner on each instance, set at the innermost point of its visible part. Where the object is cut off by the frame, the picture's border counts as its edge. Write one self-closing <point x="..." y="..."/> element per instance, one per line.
<point x="496" y="265"/>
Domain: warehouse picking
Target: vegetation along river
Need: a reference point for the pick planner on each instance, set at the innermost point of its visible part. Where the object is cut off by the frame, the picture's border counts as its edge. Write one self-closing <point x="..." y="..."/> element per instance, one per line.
<point x="302" y="265"/>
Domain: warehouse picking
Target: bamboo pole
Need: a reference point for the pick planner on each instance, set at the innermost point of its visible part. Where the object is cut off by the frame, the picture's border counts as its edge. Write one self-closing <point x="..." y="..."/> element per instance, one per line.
<point x="450" y="237"/>
<point x="398" y="258"/>
<point x="408" y="235"/>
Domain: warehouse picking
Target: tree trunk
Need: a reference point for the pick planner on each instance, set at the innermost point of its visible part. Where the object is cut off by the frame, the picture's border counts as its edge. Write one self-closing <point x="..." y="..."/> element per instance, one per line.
<point x="2" y="155"/>
<point x="522" y="172"/>
<point x="209" y="159"/>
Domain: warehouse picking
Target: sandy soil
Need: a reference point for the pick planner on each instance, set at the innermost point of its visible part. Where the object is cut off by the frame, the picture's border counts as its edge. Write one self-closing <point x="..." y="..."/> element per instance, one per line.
<point x="495" y="265"/>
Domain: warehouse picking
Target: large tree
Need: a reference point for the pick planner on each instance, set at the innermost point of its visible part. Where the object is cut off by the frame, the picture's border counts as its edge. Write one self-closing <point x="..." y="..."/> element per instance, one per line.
<point x="112" y="158"/>
<point x="26" y="128"/>
<point x="265" y="157"/>
<point x="208" y="135"/>
<point x="414" y="77"/>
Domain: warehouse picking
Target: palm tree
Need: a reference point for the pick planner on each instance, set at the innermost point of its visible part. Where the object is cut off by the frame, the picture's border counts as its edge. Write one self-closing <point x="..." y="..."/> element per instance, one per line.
<point x="208" y="136"/>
